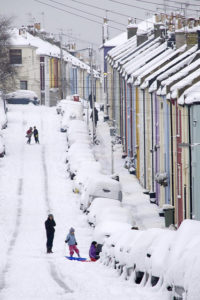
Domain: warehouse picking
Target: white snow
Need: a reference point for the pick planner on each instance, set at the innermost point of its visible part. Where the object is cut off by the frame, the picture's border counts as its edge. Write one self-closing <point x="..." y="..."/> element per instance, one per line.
<point x="34" y="182"/>
<point x="22" y="94"/>
<point x="191" y="95"/>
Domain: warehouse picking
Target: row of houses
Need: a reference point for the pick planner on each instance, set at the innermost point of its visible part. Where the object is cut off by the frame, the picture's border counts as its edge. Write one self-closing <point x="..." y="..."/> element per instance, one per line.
<point x="153" y="97"/>
<point x="44" y="67"/>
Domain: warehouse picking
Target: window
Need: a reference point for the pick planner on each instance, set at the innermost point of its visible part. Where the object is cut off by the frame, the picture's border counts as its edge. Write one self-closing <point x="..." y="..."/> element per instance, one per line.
<point x="23" y="85"/>
<point x="16" y="56"/>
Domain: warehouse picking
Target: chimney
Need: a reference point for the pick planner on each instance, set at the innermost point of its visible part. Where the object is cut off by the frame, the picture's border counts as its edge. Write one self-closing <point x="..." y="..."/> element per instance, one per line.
<point x="37" y="26"/>
<point x="159" y="27"/>
<point x="105" y="33"/>
<point x="141" y="38"/>
<point x="188" y="37"/>
<point x="131" y="28"/>
<point x="22" y="32"/>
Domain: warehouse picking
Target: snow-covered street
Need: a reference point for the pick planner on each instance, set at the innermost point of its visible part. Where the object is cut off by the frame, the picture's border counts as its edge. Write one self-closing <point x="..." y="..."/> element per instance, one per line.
<point x="33" y="183"/>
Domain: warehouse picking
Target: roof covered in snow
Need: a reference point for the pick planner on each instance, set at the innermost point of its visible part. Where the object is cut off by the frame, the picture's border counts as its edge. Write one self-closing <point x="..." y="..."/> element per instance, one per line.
<point x="186" y="81"/>
<point x="116" y="41"/>
<point x="185" y="68"/>
<point x="191" y="95"/>
<point x="43" y="47"/>
<point x="144" y="26"/>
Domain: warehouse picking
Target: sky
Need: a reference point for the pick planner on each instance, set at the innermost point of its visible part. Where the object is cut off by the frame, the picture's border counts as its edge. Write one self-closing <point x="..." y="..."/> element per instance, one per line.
<point x="84" y="32"/>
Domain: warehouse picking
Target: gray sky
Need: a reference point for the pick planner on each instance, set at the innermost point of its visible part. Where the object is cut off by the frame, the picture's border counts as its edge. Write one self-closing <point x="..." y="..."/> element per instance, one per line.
<point x="25" y="11"/>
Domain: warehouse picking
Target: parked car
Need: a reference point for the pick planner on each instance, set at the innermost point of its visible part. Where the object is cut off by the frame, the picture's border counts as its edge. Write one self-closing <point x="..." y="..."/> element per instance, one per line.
<point x="61" y="105"/>
<point x="73" y="110"/>
<point x="22" y="97"/>
<point x="101" y="186"/>
<point x="106" y="229"/>
<point x="182" y="258"/>
<point x="157" y="256"/>
<point x="98" y="205"/>
<point x="86" y="171"/>
<point x="119" y="214"/>
<point x="2" y="145"/>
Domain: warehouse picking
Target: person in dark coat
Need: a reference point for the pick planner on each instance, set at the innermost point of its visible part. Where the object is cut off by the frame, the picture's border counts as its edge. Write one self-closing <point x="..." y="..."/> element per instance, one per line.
<point x="49" y="226"/>
<point x="29" y="135"/>
<point x="93" y="251"/>
<point x="90" y="99"/>
<point x="96" y="116"/>
<point x="36" y="135"/>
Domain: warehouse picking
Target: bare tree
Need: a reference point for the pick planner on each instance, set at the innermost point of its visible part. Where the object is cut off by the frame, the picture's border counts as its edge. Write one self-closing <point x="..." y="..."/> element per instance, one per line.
<point x="7" y="70"/>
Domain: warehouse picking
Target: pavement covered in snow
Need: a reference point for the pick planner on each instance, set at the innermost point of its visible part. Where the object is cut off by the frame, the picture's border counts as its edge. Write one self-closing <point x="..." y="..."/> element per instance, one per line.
<point x="33" y="183"/>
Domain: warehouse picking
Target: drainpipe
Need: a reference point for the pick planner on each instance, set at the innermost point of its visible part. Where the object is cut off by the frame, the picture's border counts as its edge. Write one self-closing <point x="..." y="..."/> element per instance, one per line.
<point x="152" y="145"/>
<point x="190" y="162"/>
<point x="144" y="136"/>
<point x="172" y="159"/>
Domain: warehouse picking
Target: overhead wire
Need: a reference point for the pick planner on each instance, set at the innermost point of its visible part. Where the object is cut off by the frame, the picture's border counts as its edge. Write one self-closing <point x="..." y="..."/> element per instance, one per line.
<point x="131" y="5"/>
<point x="147" y="9"/>
<point x="89" y="13"/>
<point x="102" y="9"/>
<point x="185" y="3"/>
<point x="75" y="14"/>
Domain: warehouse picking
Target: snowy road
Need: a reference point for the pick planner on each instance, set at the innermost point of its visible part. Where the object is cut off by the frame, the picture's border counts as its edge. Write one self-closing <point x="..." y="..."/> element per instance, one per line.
<point x="33" y="182"/>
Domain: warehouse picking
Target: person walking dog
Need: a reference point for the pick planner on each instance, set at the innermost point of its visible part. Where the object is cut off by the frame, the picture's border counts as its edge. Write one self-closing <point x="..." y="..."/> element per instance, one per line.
<point x="72" y="243"/>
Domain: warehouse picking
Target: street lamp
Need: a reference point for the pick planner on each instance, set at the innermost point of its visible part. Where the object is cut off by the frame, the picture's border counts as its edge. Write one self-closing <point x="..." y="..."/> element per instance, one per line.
<point x="92" y="91"/>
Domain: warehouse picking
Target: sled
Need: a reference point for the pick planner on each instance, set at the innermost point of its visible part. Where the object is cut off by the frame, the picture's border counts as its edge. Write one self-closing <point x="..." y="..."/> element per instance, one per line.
<point x="78" y="258"/>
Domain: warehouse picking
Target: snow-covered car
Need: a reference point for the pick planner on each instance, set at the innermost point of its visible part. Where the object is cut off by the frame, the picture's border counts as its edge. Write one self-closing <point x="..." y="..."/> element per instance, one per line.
<point x="61" y="105"/>
<point x="100" y="186"/>
<point x="78" y="137"/>
<point x="106" y="229"/>
<point x="137" y="251"/>
<point x="107" y="256"/>
<point x="86" y="171"/>
<point x="119" y="214"/>
<point x="77" y="150"/>
<point x="77" y="126"/>
<point x="182" y="258"/>
<point x="121" y="244"/>
<point x="22" y="97"/>
<point x="98" y="205"/>
<point x="73" y="110"/>
<point x="75" y="162"/>
<point x="2" y="145"/>
<point x="157" y="256"/>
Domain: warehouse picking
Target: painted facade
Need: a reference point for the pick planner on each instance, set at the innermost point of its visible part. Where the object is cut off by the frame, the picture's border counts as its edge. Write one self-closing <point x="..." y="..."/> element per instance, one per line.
<point x="158" y="133"/>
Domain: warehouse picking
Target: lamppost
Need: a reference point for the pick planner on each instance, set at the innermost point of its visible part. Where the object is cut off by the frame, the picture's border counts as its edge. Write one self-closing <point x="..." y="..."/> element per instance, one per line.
<point x="90" y="49"/>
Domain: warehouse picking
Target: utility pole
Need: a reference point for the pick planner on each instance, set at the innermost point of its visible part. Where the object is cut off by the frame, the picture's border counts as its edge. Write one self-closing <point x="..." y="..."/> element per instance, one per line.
<point x="62" y="69"/>
<point x="92" y="92"/>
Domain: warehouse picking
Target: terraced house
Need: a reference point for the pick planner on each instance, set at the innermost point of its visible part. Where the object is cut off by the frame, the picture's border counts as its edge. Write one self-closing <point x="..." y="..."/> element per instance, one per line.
<point x="45" y="68"/>
<point x="154" y="102"/>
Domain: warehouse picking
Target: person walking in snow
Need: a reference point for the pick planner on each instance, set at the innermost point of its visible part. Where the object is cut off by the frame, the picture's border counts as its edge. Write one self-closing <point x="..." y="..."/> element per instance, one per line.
<point x="36" y="135"/>
<point x="72" y="243"/>
<point x="49" y="226"/>
<point x="93" y="251"/>
<point x="96" y="116"/>
<point x="29" y="135"/>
